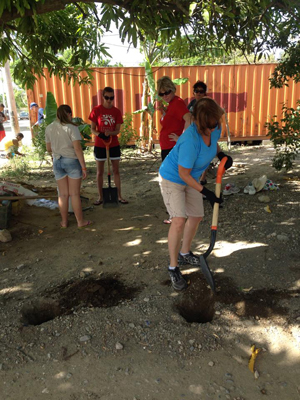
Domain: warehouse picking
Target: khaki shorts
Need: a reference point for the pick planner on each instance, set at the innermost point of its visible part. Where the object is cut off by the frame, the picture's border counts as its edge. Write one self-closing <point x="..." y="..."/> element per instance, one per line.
<point x="181" y="200"/>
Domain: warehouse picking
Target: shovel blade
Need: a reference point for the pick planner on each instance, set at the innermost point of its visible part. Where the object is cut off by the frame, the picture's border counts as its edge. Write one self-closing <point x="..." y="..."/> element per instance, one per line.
<point x="207" y="273"/>
<point x="110" y="197"/>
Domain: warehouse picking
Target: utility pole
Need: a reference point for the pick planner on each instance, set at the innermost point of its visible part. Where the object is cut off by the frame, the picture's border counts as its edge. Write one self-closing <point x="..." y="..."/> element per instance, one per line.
<point x="11" y="101"/>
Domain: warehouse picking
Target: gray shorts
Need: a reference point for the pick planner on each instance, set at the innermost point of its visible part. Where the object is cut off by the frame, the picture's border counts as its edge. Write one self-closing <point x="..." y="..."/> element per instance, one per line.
<point x="64" y="166"/>
<point x="181" y="200"/>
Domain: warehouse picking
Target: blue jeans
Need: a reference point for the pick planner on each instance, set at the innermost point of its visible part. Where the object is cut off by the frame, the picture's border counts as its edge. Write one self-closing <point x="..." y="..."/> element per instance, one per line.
<point x="64" y="166"/>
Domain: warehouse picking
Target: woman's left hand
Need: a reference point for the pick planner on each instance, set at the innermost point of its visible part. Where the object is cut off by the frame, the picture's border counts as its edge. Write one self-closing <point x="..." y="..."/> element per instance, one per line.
<point x="229" y="161"/>
<point x="173" y="137"/>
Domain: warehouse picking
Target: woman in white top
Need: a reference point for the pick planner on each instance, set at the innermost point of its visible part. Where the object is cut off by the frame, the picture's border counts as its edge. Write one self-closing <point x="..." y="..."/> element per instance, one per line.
<point x="63" y="141"/>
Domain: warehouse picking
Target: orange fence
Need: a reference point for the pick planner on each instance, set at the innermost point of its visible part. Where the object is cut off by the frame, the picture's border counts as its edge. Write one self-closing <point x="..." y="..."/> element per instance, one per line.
<point x="242" y="90"/>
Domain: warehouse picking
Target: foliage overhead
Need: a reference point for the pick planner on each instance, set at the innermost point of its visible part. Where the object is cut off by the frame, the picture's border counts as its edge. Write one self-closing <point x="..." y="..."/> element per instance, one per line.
<point x="37" y="32"/>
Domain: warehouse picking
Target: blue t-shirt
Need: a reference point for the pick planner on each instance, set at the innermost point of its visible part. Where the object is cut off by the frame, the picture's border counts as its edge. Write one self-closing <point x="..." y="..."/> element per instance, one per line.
<point x="190" y="151"/>
<point x="40" y="116"/>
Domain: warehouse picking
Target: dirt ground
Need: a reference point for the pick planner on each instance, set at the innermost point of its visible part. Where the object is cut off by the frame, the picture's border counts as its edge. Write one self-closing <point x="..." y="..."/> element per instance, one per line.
<point x="90" y="314"/>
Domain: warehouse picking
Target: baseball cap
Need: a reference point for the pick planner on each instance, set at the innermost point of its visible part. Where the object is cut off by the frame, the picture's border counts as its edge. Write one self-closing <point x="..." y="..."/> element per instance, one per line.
<point x="33" y="104"/>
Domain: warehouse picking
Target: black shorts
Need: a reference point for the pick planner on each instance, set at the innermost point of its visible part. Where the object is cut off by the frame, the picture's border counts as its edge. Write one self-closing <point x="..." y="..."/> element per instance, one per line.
<point x="164" y="153"/>
<point x="100" y="153"/>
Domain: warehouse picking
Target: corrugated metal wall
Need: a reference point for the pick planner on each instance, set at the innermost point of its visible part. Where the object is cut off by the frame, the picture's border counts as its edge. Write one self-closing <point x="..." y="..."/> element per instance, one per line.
<point x="242" y="90"/>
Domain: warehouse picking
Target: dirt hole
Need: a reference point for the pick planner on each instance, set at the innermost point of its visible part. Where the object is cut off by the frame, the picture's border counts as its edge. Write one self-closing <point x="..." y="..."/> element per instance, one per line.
<point x="66" y="298"/>
<point x="197" y="303"/>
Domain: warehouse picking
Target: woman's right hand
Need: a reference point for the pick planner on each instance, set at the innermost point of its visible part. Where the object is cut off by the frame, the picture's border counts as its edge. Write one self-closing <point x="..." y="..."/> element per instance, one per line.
<point x="84" y="173"/>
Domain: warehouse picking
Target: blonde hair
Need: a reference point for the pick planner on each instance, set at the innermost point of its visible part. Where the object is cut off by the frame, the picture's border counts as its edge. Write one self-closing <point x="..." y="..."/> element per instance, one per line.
<point x="207" y="113"/>
<point x="165" y="84"/>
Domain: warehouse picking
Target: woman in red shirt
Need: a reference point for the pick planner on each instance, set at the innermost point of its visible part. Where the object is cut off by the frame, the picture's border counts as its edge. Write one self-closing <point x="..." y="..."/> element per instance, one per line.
<point x="175" y="117"/>
<point x="106" y="122"/>
<point x="174" y="120"/>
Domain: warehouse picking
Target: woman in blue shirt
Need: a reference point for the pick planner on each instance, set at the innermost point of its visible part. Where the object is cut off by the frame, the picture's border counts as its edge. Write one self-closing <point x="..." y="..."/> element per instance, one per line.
<point x="180" y="187"/>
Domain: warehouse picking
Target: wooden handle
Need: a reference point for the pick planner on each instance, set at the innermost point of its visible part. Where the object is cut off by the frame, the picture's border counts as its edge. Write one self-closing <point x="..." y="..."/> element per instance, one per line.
<point x="215" y="217"/>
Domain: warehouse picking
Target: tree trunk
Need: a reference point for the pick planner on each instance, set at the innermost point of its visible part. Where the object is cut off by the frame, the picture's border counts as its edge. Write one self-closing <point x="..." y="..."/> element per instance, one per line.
<point x="150" y="133"/>
<point x="144" y="115"/>
<point x="11" y="101"/>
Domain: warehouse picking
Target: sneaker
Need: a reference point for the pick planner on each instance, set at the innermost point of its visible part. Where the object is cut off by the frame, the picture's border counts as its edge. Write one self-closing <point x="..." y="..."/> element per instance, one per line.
<point x="188" y="259"/>
<point x="230" y="188"/>
<point x="177" y="280"/>
<point x="249" y="189"/>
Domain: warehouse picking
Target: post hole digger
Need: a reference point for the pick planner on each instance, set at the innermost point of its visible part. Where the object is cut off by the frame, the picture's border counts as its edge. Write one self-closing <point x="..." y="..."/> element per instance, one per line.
<point x="110" y="194"/>
<point x="203" y="263"/>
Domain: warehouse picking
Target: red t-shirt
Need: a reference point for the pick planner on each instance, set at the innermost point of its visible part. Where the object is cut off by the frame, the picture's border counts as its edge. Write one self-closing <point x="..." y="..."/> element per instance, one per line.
<point x="106" y="119"/>
<point x="172" y="122"/>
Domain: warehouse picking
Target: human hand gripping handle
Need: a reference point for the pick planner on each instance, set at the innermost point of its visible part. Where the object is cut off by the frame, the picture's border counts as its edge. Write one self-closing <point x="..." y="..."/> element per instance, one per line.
<point x="102" y="136"/>
<point x="211" y="197"/>
<point x="229" y="161"/>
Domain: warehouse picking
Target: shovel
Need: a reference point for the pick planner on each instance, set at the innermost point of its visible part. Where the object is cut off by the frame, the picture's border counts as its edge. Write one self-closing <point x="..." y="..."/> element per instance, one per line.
<point x="110" y="194"/>
<point x="203" y="263"/>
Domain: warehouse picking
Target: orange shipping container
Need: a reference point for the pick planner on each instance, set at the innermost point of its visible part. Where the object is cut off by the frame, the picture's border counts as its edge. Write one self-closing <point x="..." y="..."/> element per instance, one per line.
<point x="242" y="90"/>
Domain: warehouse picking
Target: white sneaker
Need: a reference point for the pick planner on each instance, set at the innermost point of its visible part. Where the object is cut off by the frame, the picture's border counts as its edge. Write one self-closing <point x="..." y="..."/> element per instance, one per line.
<point x="230" y="188"/>
<point x="249" y="189"/>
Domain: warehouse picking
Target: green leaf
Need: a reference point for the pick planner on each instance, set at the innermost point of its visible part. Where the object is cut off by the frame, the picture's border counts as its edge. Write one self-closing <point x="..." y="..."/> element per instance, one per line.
<point x="140" y="111"/>
<point x="50" y="109"/>
<point x="180" y="81"/>
<point x="149" y="75"/>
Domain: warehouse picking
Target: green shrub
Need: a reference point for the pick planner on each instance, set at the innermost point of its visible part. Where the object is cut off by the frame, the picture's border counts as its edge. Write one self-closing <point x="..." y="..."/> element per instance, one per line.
<point x="127" y="132"/>
<point x="285" y="137"/>
<point x="17" y="169"/>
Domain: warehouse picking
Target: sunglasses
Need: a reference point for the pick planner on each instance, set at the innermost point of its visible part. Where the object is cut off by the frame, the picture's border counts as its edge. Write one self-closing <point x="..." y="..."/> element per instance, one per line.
<point x="162" y="94"/>
<point x="199" y="91"/>
<point x="109" y="97"/>
<point x="212" y="127"/>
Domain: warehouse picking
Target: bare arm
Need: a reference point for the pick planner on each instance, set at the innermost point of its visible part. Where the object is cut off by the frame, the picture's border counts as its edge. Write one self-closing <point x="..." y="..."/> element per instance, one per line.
<point x="185" y="175"/>
<point x="48" y="147"/>
<point x="188" y="119"/>
<point x="94" y="128"/>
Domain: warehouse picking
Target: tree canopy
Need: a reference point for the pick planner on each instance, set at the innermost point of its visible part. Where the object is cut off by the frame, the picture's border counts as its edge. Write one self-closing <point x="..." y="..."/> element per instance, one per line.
<point x="35" y="33"/>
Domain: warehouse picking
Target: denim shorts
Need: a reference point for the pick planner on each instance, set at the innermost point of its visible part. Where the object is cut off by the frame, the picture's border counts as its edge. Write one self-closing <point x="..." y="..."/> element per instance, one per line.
<point x="64" y="166"/>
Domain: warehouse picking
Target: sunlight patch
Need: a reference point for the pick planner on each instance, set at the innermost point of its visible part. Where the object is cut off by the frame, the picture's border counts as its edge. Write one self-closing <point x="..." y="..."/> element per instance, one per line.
<point x="25" y="287"/>
<point x="224" y="248"/>
<point x="135" y="242"/>
<point x="130" y="228"/>
<point x="162" y="241"/>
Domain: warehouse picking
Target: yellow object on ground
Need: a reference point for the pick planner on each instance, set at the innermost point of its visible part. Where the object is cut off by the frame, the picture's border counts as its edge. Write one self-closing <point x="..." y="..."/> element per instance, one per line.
<point x="254" y="353"/>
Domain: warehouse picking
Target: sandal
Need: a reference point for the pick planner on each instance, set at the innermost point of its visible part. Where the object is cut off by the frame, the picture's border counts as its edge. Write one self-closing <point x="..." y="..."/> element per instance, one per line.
<point x="122" y="201"/>
<point x="98" y="202"/>
<point x="167" y="221"/>
<point x="89" y="223"/>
